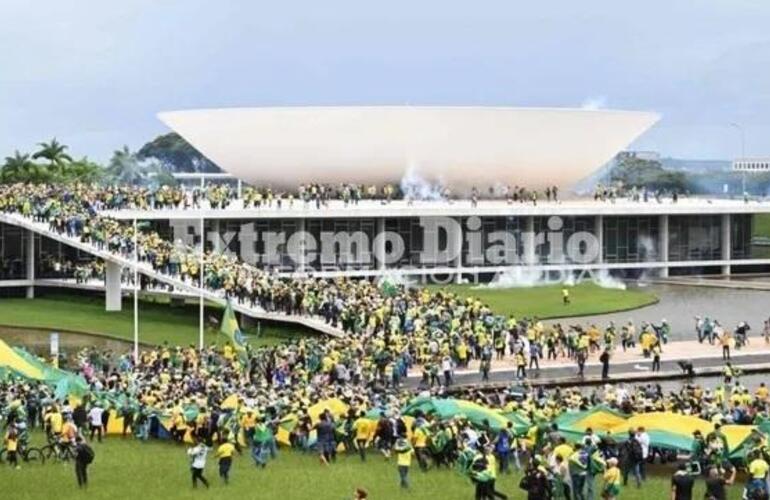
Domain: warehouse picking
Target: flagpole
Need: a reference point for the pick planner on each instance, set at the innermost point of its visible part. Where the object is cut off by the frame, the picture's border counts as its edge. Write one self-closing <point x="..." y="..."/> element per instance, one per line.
<point x="203" y="241"/>
<point x="136" y="294"/>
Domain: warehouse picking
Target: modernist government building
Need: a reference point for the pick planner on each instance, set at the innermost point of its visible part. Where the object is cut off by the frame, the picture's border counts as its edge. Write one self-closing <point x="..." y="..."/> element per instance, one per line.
<point x="460" y="147"/>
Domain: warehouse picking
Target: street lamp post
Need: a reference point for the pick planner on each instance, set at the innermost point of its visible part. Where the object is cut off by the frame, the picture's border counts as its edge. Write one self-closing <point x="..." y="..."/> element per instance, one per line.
<point x="136" y="293"/>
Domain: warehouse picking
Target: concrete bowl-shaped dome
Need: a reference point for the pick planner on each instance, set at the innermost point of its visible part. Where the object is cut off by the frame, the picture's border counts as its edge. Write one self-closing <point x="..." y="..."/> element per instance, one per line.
<point x="459" y="146"/>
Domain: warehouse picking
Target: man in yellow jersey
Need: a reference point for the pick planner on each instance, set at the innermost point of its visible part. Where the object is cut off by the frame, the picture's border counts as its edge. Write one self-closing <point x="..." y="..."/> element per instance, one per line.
<point x="404" y="453"/>
<point x="225" y="455"/>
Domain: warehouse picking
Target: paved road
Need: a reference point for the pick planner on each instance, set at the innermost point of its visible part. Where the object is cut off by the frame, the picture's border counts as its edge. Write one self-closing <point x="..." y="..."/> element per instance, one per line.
<point x="617" y="371"/>
<point x="680" y="304"/>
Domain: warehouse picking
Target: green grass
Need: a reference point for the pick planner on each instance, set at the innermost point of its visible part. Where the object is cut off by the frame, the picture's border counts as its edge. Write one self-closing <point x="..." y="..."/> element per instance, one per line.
<point x="127" y="469"/>
<point x="158" y="322"/>
<point x="546" y="301"/>
<point x="762" y="225"/>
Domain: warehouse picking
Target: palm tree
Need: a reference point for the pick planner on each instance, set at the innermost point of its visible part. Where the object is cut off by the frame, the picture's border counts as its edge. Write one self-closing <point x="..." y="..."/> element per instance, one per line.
<point x="55" y="153"/>
<point x="20" y="168"/>
<point x="124" y="167"/>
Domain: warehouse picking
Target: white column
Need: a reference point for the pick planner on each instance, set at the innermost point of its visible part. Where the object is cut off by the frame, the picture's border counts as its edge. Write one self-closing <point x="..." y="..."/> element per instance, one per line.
<point x="528" y="236"/>
<point x="301" y="228"/>
<point x="240" y="188"/>
<point x="112" y="296"/>
<point x="663" y="244"/>
<point x="457" y="249"/>
<point x="599" y="233"/>
<point x="379" y="238"/>
<point x="215" y="237"/>
<point x="201" y="303"/>
<point x="726" y="242"/>
<point x="30" y="263"/>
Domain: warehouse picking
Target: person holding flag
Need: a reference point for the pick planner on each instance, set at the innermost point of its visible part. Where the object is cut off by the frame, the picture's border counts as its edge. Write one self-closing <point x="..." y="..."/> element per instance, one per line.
<point x="232" y="332"/>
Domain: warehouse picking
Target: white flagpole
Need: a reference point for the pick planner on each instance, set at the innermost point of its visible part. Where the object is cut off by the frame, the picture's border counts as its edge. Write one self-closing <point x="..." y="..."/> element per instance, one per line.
<point x="136" y="294"/>
<point x="203" y="241"/>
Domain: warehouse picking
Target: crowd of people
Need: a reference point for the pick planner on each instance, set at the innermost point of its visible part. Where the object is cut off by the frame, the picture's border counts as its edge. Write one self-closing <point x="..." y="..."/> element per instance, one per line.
<point x="189" y="389"/>
<point x="385" y="333"/>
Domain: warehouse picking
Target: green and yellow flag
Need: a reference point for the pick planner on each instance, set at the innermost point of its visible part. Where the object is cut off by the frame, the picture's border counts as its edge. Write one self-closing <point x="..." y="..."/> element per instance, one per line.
<point x="232" y="331"/>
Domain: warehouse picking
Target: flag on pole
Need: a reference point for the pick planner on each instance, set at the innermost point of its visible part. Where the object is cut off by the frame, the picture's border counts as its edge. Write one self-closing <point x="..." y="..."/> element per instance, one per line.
<point x="232" y="331"/>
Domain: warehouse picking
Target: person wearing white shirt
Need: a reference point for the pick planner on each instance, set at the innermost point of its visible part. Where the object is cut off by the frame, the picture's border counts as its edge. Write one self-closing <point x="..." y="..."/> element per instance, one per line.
<point x="95" y="422"/>
<point x="198" y="456"/>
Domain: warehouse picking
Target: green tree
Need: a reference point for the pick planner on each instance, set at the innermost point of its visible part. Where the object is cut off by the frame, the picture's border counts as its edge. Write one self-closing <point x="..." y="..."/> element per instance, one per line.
<point x="55" y="153"/>
<point x="127" y="168"/>
<point x="176" y="155"/>
<point x="83" y="170"/>
<point x="21" y="168"/>
<point x="632" y="171"/>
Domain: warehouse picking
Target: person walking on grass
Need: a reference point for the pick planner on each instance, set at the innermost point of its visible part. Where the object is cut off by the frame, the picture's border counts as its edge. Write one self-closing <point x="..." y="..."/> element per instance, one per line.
<point x="611" y="488"/>
<point x="404" y="453"/>
<point x="84" y="456"/>
<point x="197" y="456"/>
<point x="95" y="421"/>
<point x="12" y="446"/>
<point x="225" y="455"/>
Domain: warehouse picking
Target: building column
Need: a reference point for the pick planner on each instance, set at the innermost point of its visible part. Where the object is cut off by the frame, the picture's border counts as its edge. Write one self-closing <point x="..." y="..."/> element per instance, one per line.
<point x="529" y="241"/>
<point x="112" y="296"/>
<point x="663" y="244"/>
<point x="379" y="249"/>
<point x="215" y="237"/>
<point x="599" y="233"/>
<point x="302" y="264"/>
<point x="457" y="249"/>
<point x="30" y="257"/>
<point x="726" y="242"/>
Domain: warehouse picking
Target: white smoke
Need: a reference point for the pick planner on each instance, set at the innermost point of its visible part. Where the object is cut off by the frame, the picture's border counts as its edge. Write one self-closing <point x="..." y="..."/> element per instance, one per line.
<point x="518" y="277"/>
<point x="414" y="187"/>
<point x="593" y="103"/>
<point x="395" y="278"/>
<point x="524" y="277"/>
<point x="604" y="279"/>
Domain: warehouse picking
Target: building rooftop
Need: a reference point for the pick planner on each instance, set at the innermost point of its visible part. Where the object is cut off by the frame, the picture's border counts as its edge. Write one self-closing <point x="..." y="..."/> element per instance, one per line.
<point x="461" y="208"/>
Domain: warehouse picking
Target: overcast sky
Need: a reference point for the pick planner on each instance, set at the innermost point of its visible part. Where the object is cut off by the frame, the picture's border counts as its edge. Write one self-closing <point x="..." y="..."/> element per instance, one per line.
<point x="95" y="73"/>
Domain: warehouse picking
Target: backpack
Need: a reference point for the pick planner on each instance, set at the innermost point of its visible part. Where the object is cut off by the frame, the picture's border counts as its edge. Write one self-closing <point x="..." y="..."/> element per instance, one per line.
<point x="636" y="451"/>
<point x="88" y="454"/>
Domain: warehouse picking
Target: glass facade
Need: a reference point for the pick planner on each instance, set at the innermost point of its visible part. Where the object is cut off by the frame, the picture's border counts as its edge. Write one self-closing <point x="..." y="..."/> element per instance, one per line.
<point x="694" y="237"/>
<point x="742" y="229"/>
<point x="487" y="241"/>
<point x="631" y="239"/>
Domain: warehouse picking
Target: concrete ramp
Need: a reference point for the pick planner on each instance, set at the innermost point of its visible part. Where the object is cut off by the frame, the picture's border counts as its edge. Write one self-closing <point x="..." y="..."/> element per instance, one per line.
<point x="216" y="296"/>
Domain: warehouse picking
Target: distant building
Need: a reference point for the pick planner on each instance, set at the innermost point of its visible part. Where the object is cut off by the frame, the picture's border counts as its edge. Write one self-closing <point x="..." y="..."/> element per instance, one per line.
<point x="751" y="165"/>
<point x="640" y="155"/>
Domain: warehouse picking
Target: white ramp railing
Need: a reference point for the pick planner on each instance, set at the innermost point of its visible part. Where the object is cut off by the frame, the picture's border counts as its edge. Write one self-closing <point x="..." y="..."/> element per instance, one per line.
<point x="146" y="269"/>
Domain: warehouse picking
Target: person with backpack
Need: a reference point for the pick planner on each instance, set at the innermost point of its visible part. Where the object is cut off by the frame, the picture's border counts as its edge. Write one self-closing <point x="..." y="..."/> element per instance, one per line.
<point x="503" y="445"/>
<point x="84" y="456"/>
<point x="630" y="455"/>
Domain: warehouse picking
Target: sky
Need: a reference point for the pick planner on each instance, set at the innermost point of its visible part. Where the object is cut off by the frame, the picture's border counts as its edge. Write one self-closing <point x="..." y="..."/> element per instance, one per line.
<point x="94" y="74"/>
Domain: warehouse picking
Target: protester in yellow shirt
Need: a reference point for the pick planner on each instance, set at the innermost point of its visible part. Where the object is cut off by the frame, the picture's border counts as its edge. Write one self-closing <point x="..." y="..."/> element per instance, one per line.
<point x="404" y="454"/>
<point x="611" y="478"/>
<point x="225" y="455"/>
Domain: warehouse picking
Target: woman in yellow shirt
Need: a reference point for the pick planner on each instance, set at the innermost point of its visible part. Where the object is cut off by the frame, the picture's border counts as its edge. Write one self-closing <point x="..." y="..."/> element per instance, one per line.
<point x="225" y="455"/>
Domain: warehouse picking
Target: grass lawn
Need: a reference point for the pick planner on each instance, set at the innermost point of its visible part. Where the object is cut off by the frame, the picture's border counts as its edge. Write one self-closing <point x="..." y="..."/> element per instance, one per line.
<point x="762" y="225"/>
<point x="126" y="469"/>
<point x="158" y="322"/>
<point x="546" y="301"/>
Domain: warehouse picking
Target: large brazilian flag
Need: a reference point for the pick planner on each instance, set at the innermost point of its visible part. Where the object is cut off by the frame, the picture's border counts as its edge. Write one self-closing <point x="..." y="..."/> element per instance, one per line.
<point x="232" y="331"/>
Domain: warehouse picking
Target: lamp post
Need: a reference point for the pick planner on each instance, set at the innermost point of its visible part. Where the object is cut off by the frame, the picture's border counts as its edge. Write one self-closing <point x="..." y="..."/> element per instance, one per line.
<point x="200" y="285"/>
<point x="136" y="294"/>
<point x="743" y="154"/>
